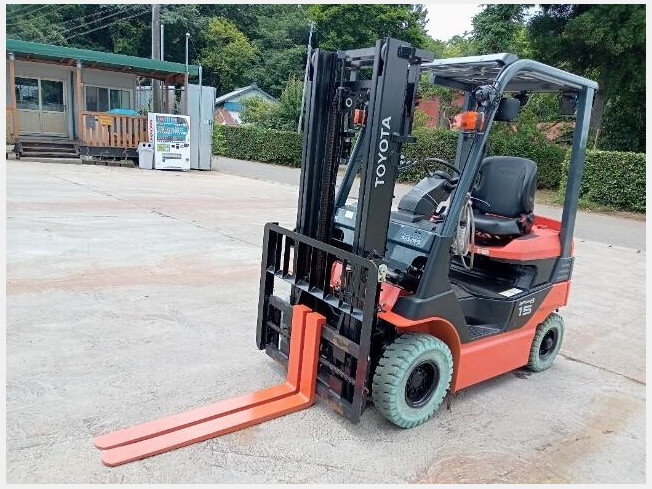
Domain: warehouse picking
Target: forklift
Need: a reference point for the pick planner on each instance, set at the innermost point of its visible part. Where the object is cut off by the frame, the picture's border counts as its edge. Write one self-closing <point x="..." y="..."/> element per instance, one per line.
<point x="399" y="307"/>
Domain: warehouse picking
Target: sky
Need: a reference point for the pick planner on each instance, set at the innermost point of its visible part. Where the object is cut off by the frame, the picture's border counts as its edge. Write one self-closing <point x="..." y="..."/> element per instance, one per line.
<point x="448" y="20"/>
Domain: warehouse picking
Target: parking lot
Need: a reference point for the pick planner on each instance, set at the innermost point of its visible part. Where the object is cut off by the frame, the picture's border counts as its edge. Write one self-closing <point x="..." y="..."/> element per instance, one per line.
<point x="132" y="295"/>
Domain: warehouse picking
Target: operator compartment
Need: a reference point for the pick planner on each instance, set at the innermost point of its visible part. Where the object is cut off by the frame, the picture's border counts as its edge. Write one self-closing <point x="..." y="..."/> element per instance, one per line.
<point x="412" y="228"/>
<point x="515" y="250"/>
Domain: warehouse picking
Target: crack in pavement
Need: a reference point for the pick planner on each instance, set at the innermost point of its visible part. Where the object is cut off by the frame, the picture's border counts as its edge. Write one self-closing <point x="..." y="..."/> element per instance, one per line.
<point x="156" y="211"/>
<point x="604" y="369"/>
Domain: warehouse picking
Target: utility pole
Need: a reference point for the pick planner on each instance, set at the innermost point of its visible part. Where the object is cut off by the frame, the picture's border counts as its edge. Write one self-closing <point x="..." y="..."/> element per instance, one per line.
<point x="156" y="54"/>
<point x="305" y="76"/>
<point x="186" y="109"/>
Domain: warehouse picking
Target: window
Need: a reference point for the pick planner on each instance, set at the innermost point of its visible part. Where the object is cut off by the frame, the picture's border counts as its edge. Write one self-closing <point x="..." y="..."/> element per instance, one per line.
<point x="119" y="99"/>
<point x="27" y="93"/>
<point x="52" y="96"/>
<point x="99" y="99"/>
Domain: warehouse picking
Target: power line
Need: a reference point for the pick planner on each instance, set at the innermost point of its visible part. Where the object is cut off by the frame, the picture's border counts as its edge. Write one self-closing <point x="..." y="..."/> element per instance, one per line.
<point x="99" y="19"/>
<point x="108" y="25"/>
<point x="20" y="16"/>
<point x="83" y="25"/>
<point x="93" y="15"/>
<point x="22" y="9"/>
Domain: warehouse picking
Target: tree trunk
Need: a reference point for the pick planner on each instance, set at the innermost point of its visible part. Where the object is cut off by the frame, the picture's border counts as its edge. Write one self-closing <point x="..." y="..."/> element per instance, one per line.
<point x="596" y="113"/>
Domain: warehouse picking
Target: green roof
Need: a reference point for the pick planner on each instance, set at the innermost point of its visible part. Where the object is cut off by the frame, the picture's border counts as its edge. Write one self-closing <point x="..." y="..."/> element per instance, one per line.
<point x="99" y="59"/>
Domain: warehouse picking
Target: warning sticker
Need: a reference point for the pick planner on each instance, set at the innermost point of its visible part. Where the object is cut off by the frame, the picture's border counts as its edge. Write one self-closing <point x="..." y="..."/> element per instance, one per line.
<point x="511" y="292"/>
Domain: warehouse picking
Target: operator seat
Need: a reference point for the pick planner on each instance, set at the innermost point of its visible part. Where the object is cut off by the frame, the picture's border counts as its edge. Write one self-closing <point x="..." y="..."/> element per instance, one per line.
<point x="503" y="197"/>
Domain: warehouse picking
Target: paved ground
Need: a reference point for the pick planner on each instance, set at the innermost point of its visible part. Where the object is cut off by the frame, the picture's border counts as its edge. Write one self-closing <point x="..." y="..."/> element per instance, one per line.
<point x="132" y="295"/>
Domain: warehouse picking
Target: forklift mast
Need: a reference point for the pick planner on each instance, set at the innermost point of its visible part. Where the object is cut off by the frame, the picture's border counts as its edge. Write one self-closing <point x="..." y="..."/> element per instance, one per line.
<point x="385" y="104"/>
<point x="374" y="90"/>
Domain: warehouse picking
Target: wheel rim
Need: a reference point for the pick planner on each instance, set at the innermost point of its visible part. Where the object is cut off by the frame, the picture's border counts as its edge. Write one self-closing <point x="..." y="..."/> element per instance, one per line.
<point x="548" y="344"/>
<point x="421" y="384"/>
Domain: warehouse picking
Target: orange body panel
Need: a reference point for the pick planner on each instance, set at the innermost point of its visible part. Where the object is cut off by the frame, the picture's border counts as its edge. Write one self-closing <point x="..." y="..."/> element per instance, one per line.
<point x="540" y="243"/>
<point x="298" y="392"/>
<point x="485" y="358"/>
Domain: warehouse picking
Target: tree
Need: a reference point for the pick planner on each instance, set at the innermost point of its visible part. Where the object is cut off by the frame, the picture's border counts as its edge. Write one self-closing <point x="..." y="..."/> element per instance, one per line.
<point x="281" y="39"/>
<point x="500" y="29"/>
<point x="228" y="54"/>
<point x="282" y="115"/>
<point x="606" y="43"/>
<point x="354" y="26"/>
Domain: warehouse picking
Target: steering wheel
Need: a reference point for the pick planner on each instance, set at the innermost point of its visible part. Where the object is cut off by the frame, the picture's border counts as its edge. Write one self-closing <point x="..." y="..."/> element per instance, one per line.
<point x="440" y="173"/>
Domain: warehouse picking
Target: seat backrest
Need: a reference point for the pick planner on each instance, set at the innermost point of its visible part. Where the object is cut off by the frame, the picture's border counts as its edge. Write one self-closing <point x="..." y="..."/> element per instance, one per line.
<point x="506" y="186"/>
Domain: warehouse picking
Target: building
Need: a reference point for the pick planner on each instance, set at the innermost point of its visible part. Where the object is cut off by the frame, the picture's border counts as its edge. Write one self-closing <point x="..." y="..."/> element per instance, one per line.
<point x="229" y="106"/>
<point x="71" y="101"/>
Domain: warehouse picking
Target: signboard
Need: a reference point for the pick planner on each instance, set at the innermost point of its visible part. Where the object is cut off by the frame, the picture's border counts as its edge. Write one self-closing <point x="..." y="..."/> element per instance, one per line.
<point x="170" y="135"/>
<point x="105" y="120"/>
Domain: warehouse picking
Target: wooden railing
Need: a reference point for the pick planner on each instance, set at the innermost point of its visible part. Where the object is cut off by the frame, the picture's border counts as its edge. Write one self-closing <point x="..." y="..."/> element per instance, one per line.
<point x="113" y="130"/>
<point x="11" y="113"/>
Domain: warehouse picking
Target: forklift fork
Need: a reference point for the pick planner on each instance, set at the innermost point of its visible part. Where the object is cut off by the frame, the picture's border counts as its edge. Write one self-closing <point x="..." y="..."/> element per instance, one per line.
<point x="298" y="392"/>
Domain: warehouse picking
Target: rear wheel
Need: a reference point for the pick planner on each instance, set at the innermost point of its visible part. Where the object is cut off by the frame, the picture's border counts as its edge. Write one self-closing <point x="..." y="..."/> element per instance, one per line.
<point x="412" y="378"/>
<point x="546" y="343"/>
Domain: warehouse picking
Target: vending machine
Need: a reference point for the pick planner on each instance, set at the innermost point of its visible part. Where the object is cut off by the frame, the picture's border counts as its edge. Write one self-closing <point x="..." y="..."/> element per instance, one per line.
<point x="170" y="135"/>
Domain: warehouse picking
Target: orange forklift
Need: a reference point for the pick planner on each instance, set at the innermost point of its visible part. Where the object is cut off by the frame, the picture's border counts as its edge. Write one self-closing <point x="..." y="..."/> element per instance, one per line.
<point x="398" y="308"/>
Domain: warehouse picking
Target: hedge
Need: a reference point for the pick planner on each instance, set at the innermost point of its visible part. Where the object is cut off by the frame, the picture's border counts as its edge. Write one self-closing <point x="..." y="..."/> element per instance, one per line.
<point x="612" y="178"/>
<point x="284" y="148"/>
<point x="247" y="142"/>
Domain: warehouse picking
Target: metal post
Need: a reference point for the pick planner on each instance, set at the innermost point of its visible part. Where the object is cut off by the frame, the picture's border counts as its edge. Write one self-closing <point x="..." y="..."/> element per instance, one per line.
<point x="199" y="138"/>
<point x="186" y="109"/>
<point x="79" y="100"/>
<point x="578" y="156"/>
<point x="12" y="95"/>
<point x="156" y="54"/>
<point x="305" y="77"/>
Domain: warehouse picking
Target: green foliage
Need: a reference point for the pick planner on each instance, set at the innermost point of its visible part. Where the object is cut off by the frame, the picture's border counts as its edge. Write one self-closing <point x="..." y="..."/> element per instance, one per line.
<point x="283" y="115"/>
<point x="500" y="29"/>
<point x="281" y="39"/>
<point x="228" y="54"/>
<point x="459" y="46"/>
<point x="612" y="178"/>
<point x="266" y="44"/>
<point x="347" y="26"/>
<point x="442" y="143"/>
<point x="258" y="111"/>
<point x="606" y="43"/>
<point x="542" y="107"/>
<point x="438" y="143"/>
<point x="531" y="144"/>
<point x="248" y="142"/>
<point x="419" y="120"/>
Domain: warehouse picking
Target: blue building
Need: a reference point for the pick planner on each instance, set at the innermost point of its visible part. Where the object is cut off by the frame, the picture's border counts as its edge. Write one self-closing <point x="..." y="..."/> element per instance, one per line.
<point x="229" y="105"/>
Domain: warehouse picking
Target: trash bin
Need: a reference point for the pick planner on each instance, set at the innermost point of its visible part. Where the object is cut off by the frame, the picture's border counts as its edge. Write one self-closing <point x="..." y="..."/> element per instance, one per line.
<point x="145" y="156"/>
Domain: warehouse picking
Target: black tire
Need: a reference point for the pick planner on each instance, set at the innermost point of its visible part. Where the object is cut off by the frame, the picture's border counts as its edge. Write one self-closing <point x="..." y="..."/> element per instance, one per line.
<point x="412" y="378"/>
<point x="546" y="343"/>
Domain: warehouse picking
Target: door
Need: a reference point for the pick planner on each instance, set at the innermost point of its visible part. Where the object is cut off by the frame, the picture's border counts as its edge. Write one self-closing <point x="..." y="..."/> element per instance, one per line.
<point x="41" y="106"/>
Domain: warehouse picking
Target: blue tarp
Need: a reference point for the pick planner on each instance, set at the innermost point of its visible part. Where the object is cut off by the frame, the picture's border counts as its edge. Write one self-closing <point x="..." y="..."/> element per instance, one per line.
<point x="123" y="112"/>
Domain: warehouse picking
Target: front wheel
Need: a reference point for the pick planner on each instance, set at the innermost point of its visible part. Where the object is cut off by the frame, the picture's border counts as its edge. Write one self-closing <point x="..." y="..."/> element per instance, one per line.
<point x="546" y="343"/>
<point x="412" y="378"/>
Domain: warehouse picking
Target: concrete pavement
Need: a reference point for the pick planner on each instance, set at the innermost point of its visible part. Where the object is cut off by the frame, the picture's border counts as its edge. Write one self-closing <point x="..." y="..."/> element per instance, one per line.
<point x="132" y="294"/>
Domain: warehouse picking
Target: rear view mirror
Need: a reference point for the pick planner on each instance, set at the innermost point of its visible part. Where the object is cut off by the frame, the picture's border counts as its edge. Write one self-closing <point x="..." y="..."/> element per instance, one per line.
<point x="507" y="110"/>
<point x="567" y="104"/>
